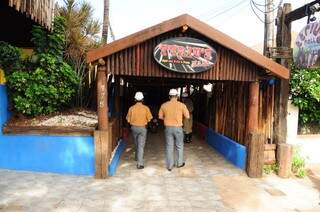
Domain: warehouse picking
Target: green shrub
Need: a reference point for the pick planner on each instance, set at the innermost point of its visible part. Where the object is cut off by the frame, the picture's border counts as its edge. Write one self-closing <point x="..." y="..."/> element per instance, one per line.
<point x="298" y="163"/>
<point x="46" y="89"/>
<point x="44" y="83"/>
<point x="50" y="43"/>
<point x="273" y="168"/>
<point x="10" y="57"/>
<point x="305" y="92"/>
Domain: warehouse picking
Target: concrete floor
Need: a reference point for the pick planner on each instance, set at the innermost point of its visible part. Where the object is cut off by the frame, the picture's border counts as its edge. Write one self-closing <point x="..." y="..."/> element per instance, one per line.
<point x="206" y="183"/>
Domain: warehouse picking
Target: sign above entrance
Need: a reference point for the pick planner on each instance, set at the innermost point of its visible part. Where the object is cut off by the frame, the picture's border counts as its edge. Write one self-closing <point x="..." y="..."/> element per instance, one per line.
<point x="185" y="55"/>
<point x="306" y="52"/>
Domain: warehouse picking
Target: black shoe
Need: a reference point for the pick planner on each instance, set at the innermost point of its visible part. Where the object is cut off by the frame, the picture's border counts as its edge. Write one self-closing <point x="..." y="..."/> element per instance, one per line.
<point x="169" y="170"/>
<point x="140" y="167"/>
<point x="182" y="165"/>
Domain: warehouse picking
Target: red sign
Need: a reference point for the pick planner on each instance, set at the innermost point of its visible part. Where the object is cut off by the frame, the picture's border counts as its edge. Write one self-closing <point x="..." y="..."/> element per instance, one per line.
<point x="185" y="55"/>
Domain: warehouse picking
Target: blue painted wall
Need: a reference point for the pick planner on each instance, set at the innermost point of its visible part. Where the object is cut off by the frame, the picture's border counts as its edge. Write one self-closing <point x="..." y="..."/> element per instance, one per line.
<point x="56" y="154"/>
<point x="116" y="158"/>
<point x="231" y="150"/>
<point x="4" y="114"/>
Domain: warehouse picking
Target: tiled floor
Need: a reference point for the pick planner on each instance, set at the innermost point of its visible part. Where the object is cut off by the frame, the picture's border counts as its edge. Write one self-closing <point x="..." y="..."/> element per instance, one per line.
<point x="190" y="188"/>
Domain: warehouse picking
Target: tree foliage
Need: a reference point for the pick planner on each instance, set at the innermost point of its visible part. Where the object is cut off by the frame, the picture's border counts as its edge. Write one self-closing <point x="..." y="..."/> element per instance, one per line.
<point x="52" y="43"/>
<point x="81" y="33"/>
<point x="45" y="83"/>
<point x="9" y="57"/>
<point x="305" y="92"/>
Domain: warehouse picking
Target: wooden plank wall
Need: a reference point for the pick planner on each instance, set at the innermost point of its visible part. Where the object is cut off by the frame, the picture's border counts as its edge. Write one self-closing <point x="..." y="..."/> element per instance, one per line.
<point x="138" y="61"/>
<point x="41" y="11"/>
<point x="266" y="111"/>
<point x="230" y="105"/>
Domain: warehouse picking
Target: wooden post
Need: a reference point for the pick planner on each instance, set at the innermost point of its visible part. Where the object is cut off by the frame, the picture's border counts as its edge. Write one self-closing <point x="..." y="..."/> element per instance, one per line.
<point x="254" y="141"/>
<point x="253" y="108"/>
<point x="284" y="156"/>
<point x="255" y="155"/>
<point x="282" y="87"/>
<point x="101" y="137"/>
<point x="102" y="96"/>
<point x="102" y="153"/>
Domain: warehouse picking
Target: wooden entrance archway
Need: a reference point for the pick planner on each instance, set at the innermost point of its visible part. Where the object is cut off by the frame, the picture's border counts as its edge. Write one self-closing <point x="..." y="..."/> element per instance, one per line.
<point x="132" y="56"/>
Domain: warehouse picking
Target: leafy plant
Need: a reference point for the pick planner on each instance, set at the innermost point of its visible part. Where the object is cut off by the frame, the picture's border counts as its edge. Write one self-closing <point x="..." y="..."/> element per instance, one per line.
<point x="273" y="168"/>
<point x="305" y="92"/>
<point x="46" y="89"/>
<point x="298" y="163"/>
<point x="51" y="82"/>
<point x="10" y="57"/>
<point x="81" y="33"/>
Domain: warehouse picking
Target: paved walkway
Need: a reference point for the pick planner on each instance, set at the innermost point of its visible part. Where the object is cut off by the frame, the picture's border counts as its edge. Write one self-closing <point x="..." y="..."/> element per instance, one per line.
<point x="190" y="188"/>
<point x="206" y="183"/>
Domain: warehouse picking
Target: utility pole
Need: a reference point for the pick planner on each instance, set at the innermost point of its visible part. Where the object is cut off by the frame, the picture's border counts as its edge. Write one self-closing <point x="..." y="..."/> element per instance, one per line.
<point x="106" y="20"/>
<point x="268" y="26"/>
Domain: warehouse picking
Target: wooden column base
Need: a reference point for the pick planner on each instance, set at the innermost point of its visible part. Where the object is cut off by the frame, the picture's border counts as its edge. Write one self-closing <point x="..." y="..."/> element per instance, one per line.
<point x="102" y="154"/>
<point x="284" y="157"/>
<point x="255" y="159"/>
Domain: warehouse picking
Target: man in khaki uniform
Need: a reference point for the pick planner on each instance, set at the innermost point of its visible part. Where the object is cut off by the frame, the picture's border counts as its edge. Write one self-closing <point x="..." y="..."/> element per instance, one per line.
<point x="187" y="123"/>
<point x="173" y="112"/>
<point x="138" y="116"/>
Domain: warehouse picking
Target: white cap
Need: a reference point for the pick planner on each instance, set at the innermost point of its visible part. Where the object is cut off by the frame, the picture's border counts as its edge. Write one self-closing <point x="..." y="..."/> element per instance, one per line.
<point x="185" y="95"/>
<point x="138" y="96"/>
<point x="173" y="92"/>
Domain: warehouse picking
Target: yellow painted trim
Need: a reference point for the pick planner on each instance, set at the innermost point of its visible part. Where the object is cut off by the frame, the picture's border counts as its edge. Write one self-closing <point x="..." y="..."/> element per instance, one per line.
<point x="2" y="78"/>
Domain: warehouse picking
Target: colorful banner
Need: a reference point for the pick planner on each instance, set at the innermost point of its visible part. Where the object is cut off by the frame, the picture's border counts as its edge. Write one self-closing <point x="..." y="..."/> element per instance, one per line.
<point x="306" y="51"/>
<point x="185" y="55"/>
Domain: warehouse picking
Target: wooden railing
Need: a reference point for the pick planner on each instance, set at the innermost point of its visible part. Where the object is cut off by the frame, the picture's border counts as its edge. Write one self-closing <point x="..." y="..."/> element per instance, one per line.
<point x="105" y="142"/>
<point x="114" y="132"/>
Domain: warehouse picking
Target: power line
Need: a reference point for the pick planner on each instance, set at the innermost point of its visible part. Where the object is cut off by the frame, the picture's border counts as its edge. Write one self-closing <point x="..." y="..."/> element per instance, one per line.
<point x="226" y="10"/>
<point x="257" y="6"/>
<point x="254" y="7"/>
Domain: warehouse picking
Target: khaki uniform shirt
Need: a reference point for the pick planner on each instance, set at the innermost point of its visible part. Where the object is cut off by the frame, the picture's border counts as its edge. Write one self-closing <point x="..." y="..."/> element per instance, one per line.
<point x="173" y="112"/>
<point x="139" y="115"/>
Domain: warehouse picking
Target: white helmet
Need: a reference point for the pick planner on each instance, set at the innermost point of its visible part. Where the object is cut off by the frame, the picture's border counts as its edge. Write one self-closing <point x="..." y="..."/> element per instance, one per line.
<point x="185" y="95"/>
<point x="138" y="96"/>
<point x="173" y="92"/>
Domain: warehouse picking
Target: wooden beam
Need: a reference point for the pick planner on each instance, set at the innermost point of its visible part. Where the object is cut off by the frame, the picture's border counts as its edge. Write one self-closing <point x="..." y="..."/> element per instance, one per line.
<point x="102" y="137"/>
<point x="253" y="108"/>
<point x="102" y="94"/>
<point x="299" y="13"/>
<point x="254" y="140"/>
<point x="282" y="85"/>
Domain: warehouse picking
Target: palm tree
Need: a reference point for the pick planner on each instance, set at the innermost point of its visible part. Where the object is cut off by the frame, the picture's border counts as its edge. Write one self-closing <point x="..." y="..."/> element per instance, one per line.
<point x="82" y="30"/>
<point x="106" y="21"/>
<point x="82" y="33"/>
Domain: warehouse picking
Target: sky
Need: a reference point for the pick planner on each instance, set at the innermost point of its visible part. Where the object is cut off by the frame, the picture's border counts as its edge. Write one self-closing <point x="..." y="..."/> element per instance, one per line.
<point x="232" y="17"/>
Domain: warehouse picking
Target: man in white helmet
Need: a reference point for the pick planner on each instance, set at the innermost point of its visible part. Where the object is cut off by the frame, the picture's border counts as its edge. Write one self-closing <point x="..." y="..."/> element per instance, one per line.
<point x="138" y="116"/>
<point x="172" y="112"/>
<point x="187" y="123"/>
